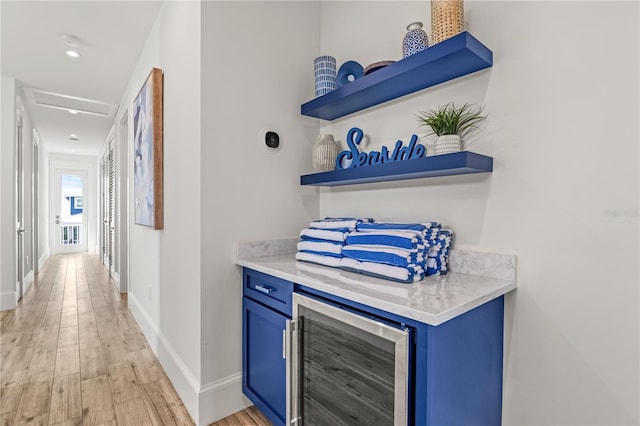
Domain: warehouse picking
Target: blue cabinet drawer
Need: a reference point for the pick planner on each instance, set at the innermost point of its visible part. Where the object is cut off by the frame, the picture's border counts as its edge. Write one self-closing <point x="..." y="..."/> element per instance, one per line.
<point x="269" y="290"/>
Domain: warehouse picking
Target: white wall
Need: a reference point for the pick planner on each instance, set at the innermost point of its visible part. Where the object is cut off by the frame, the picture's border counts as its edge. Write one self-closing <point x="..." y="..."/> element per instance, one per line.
<point x="164" y="287"/>
<point x="562" y="99"/>
<point x="7" y="182"/>
<point x="43" y="204"/>
<point x="257" y="68"/>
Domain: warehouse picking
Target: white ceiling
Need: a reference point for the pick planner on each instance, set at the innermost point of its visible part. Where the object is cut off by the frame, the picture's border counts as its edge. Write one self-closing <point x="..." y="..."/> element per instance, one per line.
<point x="112" y="34"/>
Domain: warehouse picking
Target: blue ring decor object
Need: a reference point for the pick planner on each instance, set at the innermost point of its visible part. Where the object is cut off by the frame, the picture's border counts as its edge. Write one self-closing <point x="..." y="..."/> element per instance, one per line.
<point x="348" y="72"/>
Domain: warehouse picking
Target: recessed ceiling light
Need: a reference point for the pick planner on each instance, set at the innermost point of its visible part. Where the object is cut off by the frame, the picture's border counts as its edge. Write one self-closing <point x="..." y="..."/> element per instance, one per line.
<point x="73" y="150"/>
<point x="73" y="53"/>
<point x="70" y="40"/>
<point x="73" y="111"/>
<point x="73" y="138"/>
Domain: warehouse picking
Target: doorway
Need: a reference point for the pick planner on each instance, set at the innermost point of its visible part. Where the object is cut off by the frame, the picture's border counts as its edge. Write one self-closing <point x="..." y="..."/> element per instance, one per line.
<point x="122" y="218"/>
<point x="70" y="217"/>
<point x="108" y="201"/>
<point x="20" y="225"/>
<point x="35" y="203"/>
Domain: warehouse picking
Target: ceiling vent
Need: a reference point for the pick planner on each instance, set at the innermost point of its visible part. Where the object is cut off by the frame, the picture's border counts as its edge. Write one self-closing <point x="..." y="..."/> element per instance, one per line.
<point x="69" y="103"/>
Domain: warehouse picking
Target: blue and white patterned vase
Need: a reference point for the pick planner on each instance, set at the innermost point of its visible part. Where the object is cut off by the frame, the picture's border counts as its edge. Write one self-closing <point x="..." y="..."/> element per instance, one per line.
<point x="325" y="74"/>
<point x="415" y="40"/>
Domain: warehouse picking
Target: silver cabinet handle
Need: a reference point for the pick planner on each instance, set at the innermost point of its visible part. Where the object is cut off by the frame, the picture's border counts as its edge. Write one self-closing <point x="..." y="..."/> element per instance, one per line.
<point x="284" y="343"/>
<point x="265" y="289"/>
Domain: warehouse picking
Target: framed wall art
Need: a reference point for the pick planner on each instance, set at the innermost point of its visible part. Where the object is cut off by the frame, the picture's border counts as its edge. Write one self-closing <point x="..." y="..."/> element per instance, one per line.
<point x="147" y="150"/>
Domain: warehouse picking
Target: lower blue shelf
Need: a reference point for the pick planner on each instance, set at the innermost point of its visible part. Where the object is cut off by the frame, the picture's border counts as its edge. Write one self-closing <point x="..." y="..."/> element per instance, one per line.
<point x="457" y="163"/>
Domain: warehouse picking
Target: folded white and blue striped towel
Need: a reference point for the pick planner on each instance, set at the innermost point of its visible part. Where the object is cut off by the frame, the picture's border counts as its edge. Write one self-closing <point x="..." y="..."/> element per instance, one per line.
<point x="323" y="234"/>
<point x="325" y="246"/>
<point x="338" y="223"/>
<point x="400" y="239"/>
<point x="319" y="259"/>
<point x="396" y="273"/>
<point x="391" y="226"/>
<point x="383" y="254"/>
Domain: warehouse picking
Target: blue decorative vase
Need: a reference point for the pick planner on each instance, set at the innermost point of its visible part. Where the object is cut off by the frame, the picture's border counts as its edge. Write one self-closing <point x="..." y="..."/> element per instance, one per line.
<point x="325" y="74"/>
<point x="415" y="40"/>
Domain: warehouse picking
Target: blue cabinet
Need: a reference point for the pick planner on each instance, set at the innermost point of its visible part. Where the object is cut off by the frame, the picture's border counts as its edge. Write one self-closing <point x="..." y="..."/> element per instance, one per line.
<point x="456" y="378"/>
<point x="266" y="306"/>
<point x="455" y="375"/>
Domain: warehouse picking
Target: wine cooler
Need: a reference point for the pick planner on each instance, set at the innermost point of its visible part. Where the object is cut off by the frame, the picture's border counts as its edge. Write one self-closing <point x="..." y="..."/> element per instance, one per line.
<point x="345" y="367"/>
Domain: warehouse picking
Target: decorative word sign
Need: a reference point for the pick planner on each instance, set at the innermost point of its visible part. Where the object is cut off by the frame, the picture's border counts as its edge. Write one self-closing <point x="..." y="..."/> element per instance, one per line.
<point x="354" y="158"/>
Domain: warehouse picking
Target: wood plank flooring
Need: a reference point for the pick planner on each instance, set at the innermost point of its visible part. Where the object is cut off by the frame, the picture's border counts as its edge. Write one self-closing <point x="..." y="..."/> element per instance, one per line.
<point x="71" y="354"/>
<point x="248" y="417"/>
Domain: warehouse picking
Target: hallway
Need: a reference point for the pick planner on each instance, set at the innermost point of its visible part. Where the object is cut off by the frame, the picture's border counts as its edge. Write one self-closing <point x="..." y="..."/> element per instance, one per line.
<point x="72" y="354"/>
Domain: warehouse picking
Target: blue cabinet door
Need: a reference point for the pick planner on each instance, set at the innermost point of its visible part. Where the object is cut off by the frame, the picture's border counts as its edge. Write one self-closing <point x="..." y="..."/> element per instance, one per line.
<point x="263" y="367"/>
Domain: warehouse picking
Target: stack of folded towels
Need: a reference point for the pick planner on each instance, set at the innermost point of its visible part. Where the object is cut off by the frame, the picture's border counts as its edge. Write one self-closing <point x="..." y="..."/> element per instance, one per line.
<point x="323" y="241"/>
<point x="438" y="254"/>
<point x="404" y="252"/>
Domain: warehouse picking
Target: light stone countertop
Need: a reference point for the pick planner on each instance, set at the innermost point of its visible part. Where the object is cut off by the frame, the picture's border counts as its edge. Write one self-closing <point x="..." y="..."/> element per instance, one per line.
<point x="475" y="278"/>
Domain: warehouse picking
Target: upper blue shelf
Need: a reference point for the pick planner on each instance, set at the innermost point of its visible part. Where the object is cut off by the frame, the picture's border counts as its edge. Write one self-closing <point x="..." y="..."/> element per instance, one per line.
<point x="460" y="55"/>
<point x="457" y="163"/>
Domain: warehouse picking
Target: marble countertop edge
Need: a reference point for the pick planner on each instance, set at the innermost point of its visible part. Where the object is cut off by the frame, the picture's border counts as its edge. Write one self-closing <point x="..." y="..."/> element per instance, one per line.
<point x="433" y="301"/>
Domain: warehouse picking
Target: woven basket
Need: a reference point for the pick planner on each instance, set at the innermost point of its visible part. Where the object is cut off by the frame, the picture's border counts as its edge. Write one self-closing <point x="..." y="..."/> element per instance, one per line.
<point x="447" y="19"/>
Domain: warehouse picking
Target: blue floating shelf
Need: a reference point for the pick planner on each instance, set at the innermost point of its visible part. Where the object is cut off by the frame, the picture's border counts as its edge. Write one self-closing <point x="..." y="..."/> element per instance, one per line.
<point x="457" y="163"/>
<point x="455" y="57"/>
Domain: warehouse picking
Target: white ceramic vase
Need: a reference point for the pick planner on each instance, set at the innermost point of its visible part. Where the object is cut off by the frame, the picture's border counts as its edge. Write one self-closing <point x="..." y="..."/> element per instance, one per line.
<point x="446" y="144"/>
<point x="324" y="153"/>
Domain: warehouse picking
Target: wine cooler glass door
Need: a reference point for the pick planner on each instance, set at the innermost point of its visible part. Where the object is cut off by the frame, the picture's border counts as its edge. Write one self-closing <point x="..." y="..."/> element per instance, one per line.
<point x="346" y="369"/>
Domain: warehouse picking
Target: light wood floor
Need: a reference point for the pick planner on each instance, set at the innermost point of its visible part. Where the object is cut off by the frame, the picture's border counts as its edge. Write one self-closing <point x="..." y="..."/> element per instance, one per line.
<point x="71" y="354"/>
<point x="248" y="417"/>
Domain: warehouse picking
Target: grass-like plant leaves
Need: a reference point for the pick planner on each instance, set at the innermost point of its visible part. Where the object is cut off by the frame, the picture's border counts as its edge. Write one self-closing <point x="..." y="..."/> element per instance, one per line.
<point x="451" y="120"/>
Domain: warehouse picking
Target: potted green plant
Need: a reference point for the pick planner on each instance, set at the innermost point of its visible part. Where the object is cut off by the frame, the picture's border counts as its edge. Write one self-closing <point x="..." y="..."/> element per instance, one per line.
<point x="450" y="122"/>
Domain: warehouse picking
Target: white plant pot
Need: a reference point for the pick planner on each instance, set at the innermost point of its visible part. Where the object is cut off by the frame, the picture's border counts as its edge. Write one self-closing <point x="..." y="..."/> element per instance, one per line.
<point x="446" y="144"/>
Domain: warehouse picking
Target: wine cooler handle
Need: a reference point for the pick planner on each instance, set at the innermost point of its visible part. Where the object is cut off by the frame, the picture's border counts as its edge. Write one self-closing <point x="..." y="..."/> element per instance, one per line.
<point x="290" y="353"/>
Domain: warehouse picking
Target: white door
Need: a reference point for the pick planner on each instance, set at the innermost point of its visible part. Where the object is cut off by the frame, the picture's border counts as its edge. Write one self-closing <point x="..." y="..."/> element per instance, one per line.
<point x="122" y="205"/>
<point x="70" y="217"/>
<point x="108" y="208"/>
<point x="20" y="225"/>
<point x="35" y="203"/>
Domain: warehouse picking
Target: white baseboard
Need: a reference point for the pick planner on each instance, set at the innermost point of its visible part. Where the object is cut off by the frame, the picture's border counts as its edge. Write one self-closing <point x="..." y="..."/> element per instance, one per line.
<point x="116" y="281"/>
<point x="43" y="259"/>
<point x="205" y="404"/>
<point x="221" y="399"/>
<point x="181" y="378"/>
<point x="7" y="300"/>
<point x="28" y="281"/>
